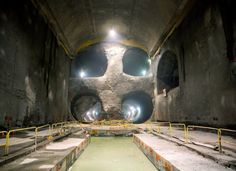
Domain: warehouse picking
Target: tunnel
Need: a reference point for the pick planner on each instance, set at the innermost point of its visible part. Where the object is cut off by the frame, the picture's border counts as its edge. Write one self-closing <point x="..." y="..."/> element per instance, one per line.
<point x="167" y="72"/>
<point x="137" y="107"/>
<point x="118" y="85"/>
<point x="135" y="62"/>
<point x="86" y="107"/>
<point x="90" y="62"/>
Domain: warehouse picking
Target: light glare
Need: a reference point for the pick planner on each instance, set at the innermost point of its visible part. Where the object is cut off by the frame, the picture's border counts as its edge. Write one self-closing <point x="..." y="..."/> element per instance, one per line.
<point x="112" y="33"/>
<point x="82" y="74"/>
<point x="143" y="72"/>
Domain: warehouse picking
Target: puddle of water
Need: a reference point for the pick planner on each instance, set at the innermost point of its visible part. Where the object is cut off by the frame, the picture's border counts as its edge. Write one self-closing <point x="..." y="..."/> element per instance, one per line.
<point x="112" y="154"/>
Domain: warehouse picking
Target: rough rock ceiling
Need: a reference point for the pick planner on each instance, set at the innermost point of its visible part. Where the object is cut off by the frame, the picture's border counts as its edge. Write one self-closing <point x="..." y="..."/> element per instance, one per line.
<point x="146" y="22"/>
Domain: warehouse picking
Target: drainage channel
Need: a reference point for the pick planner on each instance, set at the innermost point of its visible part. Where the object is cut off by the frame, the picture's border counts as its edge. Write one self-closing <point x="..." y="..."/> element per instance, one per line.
<point x="112" y="153"/>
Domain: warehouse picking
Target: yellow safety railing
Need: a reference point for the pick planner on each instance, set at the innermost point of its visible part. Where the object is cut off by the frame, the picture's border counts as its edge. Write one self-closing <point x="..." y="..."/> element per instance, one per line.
<point x="67" y="125"/>
<point x="218" y="130"/>
<point x="55" y="127"/>
<point x="159" y="124"/>
<point x="227" y="130"/>
<point x="184" y="127"/>
<point x="58" y="127"/>
<point x="37" y="129"/>
<point x="8" y="137"/>
<point x="187" y="134"/>
<point x="51" y="129"/>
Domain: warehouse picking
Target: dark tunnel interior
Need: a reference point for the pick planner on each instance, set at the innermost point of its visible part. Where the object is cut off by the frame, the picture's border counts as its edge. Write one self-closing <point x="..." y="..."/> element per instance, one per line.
<point x="136" y="62"/>
<point x="137" y="107"/>
<point x="90" y="62"/>
<point x="86" y="107"/>
<point x="167" y="72"/>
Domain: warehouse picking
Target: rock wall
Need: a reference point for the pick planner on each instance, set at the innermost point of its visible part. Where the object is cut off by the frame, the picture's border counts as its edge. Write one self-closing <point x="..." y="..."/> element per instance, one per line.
<point x="114" y="84"/>
<point x="34" y="69"/>
<point x="207" y="93"/>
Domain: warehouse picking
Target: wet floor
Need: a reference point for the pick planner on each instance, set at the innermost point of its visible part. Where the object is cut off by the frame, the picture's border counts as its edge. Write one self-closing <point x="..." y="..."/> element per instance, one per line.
<point x="112" y="154"/>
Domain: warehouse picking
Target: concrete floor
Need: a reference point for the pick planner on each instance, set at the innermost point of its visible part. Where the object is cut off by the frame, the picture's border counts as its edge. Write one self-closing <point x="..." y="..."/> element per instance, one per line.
<point x="105" y="153"/>
<point x="112" y="153"/>
<point x="181" y="157"/>
<point x="46" y="158"/>
<point x="197" y="136"/>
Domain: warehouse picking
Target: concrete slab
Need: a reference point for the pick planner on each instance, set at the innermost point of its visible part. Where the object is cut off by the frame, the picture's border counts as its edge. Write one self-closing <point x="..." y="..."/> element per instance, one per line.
<point x="200" y="137"/>
<point x="170" y="156"/>
<point x="54" y="156"/>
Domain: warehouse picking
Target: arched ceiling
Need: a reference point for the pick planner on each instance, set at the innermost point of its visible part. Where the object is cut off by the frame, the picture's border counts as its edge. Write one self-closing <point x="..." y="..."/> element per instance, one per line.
<point x="77" y="23"/>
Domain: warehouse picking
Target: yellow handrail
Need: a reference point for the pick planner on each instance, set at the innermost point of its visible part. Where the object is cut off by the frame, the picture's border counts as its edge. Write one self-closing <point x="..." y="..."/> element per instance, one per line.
<point x="36" y="132"/>
<point x="226" y="130"/>
<point x="50" y="131"/>
<point x="185" y="129"/>
<point x="159" y="126"/>
<point x="58" y="124"/>
<point x="8" y="137"/>
<point x="209" y="128"/>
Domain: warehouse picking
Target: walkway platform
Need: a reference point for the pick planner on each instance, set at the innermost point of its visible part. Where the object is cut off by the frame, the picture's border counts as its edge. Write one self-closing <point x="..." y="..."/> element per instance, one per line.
<point x="170" y="156"/>
<point x="56" y="156"/>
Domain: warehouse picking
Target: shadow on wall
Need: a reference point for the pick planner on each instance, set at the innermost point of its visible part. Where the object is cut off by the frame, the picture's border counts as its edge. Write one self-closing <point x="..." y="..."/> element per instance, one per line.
<point x="167" y="72"/>
<point x="137" y="107"/>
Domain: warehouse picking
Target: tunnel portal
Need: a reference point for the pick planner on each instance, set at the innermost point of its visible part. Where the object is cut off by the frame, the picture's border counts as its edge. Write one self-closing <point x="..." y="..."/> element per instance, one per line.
<point x="137" y="107"/>
<point x="86" y="107"/>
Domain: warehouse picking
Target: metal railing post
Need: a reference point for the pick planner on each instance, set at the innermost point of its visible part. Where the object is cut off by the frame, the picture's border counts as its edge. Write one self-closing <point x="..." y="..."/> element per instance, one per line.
<point x="7" y="143"/>
<point x="158" y="128"/>
<point x="187" y="135"/>
<point x="170" y="129"/>
<point x="219" y="140"/>
<point x="35" y="139"/>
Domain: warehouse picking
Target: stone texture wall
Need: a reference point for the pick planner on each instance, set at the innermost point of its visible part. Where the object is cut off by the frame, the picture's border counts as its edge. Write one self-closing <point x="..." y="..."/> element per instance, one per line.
<point x="207" y="92"/>
<point x="34" y="69"/>
<point x="114" y="84"/>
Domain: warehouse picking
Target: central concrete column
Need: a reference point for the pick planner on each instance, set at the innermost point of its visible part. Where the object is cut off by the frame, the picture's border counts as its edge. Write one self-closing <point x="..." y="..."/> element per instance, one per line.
<point x="111" y="100"/>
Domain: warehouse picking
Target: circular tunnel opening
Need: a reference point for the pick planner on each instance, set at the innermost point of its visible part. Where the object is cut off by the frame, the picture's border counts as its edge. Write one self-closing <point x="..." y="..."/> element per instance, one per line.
<point x="167" y="72"/>
<point x="136" y="62"/>
<point x="137" y="107"/>
<point x="91" y="62"/>
<point x="86" y="107"/>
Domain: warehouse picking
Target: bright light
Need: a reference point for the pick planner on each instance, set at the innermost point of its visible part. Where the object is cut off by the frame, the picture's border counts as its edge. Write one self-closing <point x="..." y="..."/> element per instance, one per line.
<point x="143" y="72"/>
<point x="139" y="110"/>
<point x="149" y="61"/>
<point x="112" y="33"/>
<point x="132" y="109"/>
<point x="82" y="74"/>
